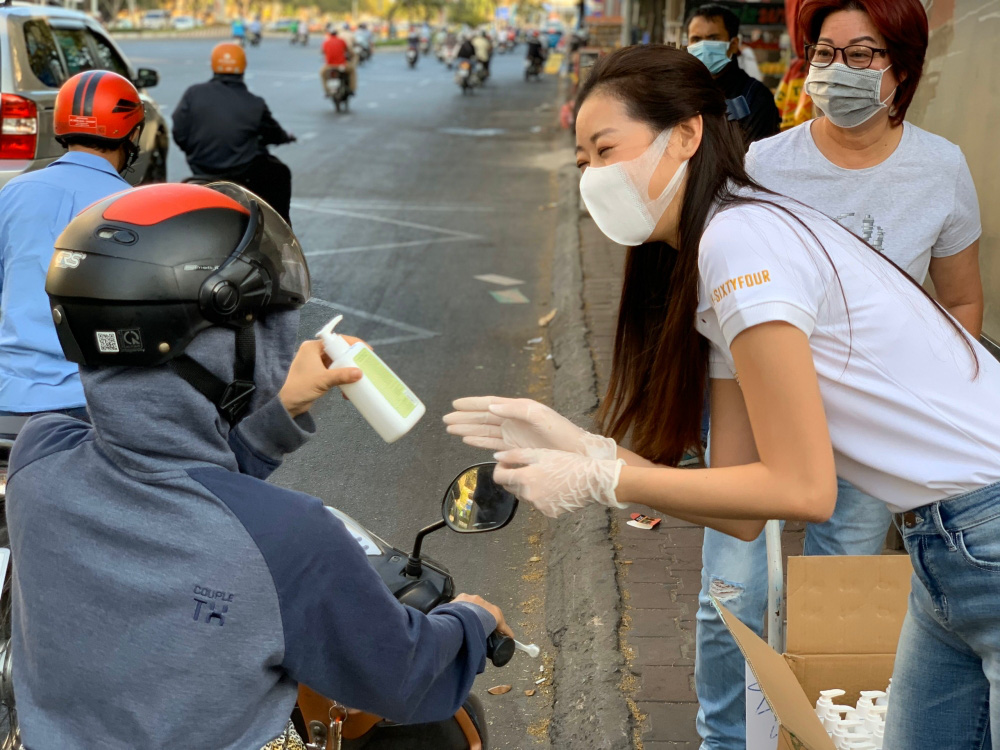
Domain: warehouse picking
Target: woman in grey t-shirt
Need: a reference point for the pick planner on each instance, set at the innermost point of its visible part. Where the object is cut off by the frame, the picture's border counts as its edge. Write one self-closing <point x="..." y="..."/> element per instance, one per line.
<point x="905" y="191"/>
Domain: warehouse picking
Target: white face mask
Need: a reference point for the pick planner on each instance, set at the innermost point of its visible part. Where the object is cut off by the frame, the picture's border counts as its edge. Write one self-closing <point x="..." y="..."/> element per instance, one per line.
<point x="848" y="97"/>
<point x="617" y="196"/>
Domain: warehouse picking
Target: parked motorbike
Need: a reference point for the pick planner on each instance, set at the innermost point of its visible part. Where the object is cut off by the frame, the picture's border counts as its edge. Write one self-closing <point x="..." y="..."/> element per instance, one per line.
<point x="411" y="56"/>
<point x="473" y="503"/>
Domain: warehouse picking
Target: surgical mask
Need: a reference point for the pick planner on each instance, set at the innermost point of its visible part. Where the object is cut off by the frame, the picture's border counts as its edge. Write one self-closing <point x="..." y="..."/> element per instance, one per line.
<point x="848" y="97"/>
<point x="617" y="196"/>
<point x="713" y="53"/>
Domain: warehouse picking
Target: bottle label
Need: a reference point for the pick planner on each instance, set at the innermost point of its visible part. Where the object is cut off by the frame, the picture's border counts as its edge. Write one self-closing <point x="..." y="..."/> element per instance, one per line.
<point x="395" y="392"/>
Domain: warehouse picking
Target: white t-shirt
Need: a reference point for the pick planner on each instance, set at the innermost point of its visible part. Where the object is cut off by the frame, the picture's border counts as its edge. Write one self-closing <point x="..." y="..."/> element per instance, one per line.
<point x="917" y="204"/>
<point x="908" y="423"/>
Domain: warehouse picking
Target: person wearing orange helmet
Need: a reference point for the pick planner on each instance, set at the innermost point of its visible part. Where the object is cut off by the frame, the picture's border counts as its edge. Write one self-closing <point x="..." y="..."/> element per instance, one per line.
<point x="225" y="130"/>
<point x="98" y="118"/>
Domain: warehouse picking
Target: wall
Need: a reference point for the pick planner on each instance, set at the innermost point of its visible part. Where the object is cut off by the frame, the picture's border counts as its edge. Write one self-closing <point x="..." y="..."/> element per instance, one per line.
<point x="959" y="99"/>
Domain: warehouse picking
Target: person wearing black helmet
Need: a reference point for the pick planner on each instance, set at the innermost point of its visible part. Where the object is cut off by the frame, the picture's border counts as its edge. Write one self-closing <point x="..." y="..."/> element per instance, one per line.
<point x="225" y="130"/>
<point x="98" y="117"/>
<point x="192" y="588"/>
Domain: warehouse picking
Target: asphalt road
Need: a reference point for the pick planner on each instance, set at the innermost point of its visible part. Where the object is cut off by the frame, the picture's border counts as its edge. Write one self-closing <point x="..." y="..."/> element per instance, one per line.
<point x="399" y="205"/>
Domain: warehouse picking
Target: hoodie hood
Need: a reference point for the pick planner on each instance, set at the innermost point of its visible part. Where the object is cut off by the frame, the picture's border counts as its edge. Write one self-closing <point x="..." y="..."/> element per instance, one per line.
<point x="150" y="419"/>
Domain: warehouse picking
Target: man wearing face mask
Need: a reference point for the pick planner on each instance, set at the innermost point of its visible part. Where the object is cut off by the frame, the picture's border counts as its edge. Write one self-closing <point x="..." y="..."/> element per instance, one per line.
<point x="714" y="38"/>
<point x="910" y="195"/>
<point x="210" y="591"/>
<point x="98" y="118"/>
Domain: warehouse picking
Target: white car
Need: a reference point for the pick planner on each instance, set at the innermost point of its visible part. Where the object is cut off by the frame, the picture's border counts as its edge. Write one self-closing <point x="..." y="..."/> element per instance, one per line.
<point x="184" y="23"/>
<point x="156" y="19"/>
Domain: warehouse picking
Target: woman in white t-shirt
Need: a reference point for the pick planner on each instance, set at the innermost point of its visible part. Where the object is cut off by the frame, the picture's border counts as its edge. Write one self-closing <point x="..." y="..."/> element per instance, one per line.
<point x="907" y="192"/>
<point x="825" y="359"/>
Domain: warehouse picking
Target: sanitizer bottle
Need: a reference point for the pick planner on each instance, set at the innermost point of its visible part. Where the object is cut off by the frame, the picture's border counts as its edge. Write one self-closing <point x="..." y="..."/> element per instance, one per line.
<point x="381" y="397"/>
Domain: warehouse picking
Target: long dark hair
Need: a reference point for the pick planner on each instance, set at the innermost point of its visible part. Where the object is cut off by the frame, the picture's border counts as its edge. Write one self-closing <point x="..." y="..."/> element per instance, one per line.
<point x="659" y="371"/>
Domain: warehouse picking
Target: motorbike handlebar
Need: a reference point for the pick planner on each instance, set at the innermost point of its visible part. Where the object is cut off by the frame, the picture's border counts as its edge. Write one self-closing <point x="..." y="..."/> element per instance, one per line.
<point x="499" y="648"/>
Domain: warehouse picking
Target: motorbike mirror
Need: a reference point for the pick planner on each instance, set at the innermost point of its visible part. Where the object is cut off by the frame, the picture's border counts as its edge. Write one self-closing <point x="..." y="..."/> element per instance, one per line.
<point x="475" y="503"/>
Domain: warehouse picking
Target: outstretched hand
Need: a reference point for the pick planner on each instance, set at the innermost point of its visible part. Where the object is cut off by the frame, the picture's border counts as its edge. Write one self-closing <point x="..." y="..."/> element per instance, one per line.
<point x="309" y="379"/>
<point x="498" y="424"/>
<point x="556" y="482"/>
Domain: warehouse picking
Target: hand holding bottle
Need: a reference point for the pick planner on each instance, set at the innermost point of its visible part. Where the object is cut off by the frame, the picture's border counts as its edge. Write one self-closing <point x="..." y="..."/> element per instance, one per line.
<point x="499" y="424"/>
<point x="308" y="377"/>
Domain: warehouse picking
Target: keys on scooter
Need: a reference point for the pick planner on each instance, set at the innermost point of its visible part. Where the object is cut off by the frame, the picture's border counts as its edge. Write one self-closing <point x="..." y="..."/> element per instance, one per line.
<point x="530" y="649"/>
<point x="500" y="648"/>
<point x="338" y="714"/>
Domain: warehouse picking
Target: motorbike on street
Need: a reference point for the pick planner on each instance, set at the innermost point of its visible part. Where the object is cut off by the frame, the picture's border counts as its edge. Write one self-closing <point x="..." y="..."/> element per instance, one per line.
<point x="9" y="731"/>
<point x="300" y="37"/>
<point x="254" y="38"/>
<point x="467" y="76"/>
<point x="362" y="52"/>
<point x="339" y="88"/>
<point x="533" y="68"/>
<point x="473" y="503"/>
<point x="411" y="56"/>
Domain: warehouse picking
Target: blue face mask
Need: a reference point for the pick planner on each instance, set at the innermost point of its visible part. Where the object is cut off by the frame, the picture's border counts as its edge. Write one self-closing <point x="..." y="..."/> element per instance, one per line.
<point x="713" y="53"/>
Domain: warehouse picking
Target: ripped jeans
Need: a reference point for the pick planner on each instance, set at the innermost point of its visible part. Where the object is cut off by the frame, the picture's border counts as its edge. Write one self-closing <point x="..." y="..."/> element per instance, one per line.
<point x="736" y="573"/>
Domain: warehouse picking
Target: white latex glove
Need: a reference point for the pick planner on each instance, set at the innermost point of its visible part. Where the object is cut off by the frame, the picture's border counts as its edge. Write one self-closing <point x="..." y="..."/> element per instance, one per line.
<point x="556" y="481"/>
<point x="500" y="424"/>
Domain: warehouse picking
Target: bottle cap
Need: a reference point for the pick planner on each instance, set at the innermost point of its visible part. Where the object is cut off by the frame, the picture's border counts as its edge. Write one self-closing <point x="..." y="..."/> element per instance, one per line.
<point x="333" y="343"/>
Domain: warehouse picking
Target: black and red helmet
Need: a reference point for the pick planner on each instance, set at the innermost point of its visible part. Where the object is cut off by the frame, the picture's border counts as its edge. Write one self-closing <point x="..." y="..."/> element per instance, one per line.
<point x="136" y="276"/>
<point x="97" y="104"/>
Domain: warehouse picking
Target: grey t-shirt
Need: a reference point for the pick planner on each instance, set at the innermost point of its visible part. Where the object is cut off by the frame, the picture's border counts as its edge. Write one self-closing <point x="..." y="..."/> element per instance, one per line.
<point x="917" y="204"/>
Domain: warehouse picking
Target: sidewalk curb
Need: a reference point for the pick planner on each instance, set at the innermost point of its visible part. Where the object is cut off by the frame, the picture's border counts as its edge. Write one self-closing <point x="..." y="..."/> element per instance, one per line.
<point x="583" y="608"/>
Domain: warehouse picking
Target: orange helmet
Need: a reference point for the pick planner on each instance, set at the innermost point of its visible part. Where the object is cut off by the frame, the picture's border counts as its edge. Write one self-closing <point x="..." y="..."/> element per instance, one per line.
<point x="97" y="104"/>
<point x="229" y="58"/>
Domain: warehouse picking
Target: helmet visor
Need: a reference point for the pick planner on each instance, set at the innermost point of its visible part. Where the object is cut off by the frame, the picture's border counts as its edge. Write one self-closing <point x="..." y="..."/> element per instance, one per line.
<point x="270" y="242"/>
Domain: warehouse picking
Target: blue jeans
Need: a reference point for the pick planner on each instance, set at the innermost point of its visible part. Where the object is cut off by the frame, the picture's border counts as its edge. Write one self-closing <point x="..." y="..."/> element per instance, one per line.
<point x="736" y="573"/>
<point x="946" y="682"/>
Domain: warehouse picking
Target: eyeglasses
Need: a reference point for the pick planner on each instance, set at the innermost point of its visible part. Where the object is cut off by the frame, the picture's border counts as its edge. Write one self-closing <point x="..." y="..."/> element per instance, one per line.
<point x="857" y="56"/>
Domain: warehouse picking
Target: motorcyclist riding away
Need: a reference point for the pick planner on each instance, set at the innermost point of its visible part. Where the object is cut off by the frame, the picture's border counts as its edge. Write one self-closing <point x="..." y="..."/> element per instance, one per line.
<point x="224" y="130"/>
<point x="536" y="51"/>
<point x="484" y="50"/>
<point x="193" y="590"/>
<point x="413" y="39"/>
<point x="101" y="133"/>
<point x="466" y="50"/>
<point x="337" y="57"/>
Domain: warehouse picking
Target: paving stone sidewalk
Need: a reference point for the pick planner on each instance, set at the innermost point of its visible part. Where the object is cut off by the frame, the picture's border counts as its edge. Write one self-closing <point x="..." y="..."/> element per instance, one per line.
<point x="659" y="571"/>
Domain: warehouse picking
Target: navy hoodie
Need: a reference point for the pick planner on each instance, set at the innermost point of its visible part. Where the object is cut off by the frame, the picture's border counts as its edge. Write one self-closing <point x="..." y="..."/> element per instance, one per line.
<point x="165" y="596"/>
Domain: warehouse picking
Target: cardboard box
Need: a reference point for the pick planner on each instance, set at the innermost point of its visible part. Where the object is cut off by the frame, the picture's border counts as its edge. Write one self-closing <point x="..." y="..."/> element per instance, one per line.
<point x="844" y="615"/>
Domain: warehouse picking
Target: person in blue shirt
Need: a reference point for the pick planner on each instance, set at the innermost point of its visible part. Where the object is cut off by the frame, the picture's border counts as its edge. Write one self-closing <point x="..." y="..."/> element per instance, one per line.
<point x="98" y="118"/>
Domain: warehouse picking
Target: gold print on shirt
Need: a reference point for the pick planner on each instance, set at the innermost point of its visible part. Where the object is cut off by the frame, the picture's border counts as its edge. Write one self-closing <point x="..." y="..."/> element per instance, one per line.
<point x="740" y="282"/>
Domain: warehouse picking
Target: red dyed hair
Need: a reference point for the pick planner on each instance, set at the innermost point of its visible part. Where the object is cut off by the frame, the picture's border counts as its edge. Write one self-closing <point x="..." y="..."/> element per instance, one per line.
<point x="903" y="24"/>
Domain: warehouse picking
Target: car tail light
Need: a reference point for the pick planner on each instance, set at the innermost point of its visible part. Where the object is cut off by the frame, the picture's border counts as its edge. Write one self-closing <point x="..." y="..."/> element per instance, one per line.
<point x="18" y="127"/>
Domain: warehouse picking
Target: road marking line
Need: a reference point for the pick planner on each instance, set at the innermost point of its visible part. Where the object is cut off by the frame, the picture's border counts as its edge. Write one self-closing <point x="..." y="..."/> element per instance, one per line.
<point x="415" y="332"/>
<point x="390" y="246"/>
<point x="383" y="220"/>
<point x="383" y="205"/>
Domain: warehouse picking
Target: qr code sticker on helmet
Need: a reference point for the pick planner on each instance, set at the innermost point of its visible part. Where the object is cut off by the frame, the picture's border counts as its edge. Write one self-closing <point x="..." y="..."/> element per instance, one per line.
<point x="107" y="342"/>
